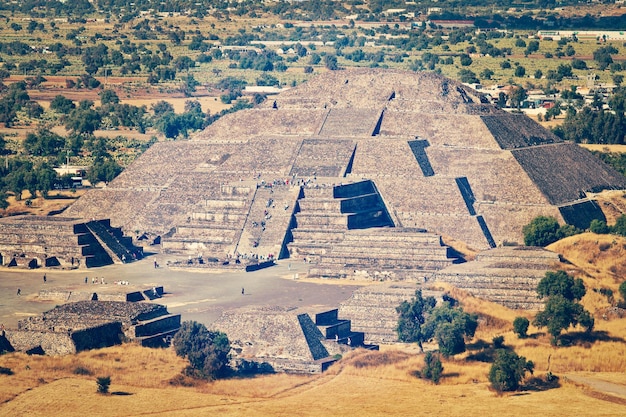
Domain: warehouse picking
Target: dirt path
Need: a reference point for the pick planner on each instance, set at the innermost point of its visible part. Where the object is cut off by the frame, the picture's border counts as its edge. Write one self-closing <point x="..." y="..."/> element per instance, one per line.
<point x="599" y="388"/>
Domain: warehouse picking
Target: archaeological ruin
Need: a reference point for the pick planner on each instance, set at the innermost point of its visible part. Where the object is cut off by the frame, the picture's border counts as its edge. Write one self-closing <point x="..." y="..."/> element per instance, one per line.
<point x="83" y="325"/>
<point x="358" y="171"/>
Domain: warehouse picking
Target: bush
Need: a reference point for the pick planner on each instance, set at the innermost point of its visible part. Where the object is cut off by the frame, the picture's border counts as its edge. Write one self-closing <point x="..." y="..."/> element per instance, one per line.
<point x="433" y="368"/>
<point x="541" y="231"/>
<point x="79" y="370"/>
<point x="508" y="370"/>
<point x="103" y="383"/>
<point x="622" y="291"/>
<point x="544" y="230"/>
<point x="620" y="226"/>
<point x="520" y="327"/>
<point x="598" y="227"/>
<point x="449" y="326"/>
<point x="498" y="342"/>
<point x="207" y="351"/>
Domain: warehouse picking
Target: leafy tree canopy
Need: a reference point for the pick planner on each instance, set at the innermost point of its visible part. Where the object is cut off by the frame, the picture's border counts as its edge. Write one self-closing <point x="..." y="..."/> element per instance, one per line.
<point x="412" y="318"/>
<point x="508" y="370"/>
<point x="449" y="326"/>
<point x="560" y="283"/>
<point x="207" y="351"/>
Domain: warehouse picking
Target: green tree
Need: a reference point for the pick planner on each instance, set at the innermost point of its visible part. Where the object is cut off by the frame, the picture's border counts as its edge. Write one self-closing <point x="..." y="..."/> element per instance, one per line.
<point x="517" y="96"/>
<point x="207" y="351"/>
<point x="598" y="226"/>
<point x="449" y="326"/>
<point x="562" y="309"/>
<point x="559" y="314"/>
<point x="620" y="226"/>
<point x="161" y="107"/>
<point x="468" y="76"/>
<point x="520" y="71"/>
<point x="560" y="283"/>
<point x="62" y="104"/>
<point x="508" y="370"/>
<point x="541" y="231"/>
<point x="43" y="143"/>
<point x="109" y="97"/>
<point x="622" y="291"/>
<point x="330" y="61"/>
<point x="486" y="74"/>
<point x="411" y="318"/>
<point x="83" y="120"/>
<point x="466" y="60"/>
<point x="520" y="326"/>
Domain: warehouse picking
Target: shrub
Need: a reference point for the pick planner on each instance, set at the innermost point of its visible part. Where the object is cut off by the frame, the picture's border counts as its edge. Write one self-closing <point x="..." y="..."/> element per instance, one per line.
<point x="207" y="351"/>
<point x="520" y="326"/>
<point x="541" y="231"/>
<point x="508" y="370"/>
<point x="79" y="370"/>
<point x="598" y="227"/>
<point x="449" y="326"/>
<point x="103" y="383"/>
<point x="5" y="371"/>
<point x="622" y="291"/>
<point x="498" y="342"/>
<point x="620" y="226"/>
<point x="544" y="230"/>
<point x="433" y="368"/>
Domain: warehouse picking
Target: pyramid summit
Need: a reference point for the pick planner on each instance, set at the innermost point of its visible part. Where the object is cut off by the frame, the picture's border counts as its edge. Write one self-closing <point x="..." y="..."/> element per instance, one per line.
<point x="325" y="166"/>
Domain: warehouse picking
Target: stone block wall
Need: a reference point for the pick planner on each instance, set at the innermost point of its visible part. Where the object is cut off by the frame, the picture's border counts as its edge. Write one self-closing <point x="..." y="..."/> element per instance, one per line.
<point x="52" y="343"/>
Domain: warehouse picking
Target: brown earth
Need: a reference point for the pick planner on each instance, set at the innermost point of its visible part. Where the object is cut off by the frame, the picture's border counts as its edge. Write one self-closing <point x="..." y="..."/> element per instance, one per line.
<point x="147" y="382"/>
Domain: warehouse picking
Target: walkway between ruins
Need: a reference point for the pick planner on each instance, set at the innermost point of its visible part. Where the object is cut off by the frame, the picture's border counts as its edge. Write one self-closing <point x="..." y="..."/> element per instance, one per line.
<point x="197" y="295"/>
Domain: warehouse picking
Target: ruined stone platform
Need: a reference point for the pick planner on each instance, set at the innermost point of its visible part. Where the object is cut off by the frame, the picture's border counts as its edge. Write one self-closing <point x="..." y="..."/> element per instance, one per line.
<point x="287" y="339"/>
<point x="505" y="275"/>
<point x="372" y="309"/>
<point x="83" y="325"/>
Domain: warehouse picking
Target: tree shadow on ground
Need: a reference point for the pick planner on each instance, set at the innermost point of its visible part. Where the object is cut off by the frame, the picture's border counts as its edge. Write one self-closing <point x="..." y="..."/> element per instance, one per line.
<point x="121" y="393"/>
<point x="586" y="339"/>
<point x="484" y="351"/>
<point x="538" y="384"/>
<point x="478" y="345"/>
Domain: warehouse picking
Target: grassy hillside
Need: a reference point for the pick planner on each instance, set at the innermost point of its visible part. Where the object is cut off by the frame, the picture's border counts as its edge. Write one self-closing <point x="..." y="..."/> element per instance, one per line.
<point x="148" y="382"/>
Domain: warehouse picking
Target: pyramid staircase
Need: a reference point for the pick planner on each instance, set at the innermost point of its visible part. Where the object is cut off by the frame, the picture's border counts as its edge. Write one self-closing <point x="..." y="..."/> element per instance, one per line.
<point x="119" y="247"/>
<point x="346" y="231"/>
<point x="268" y="221"/>
<point x="214" y="226"/>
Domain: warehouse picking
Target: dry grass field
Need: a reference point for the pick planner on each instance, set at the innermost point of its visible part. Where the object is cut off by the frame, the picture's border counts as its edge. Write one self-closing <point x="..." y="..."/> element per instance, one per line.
<point x="148" y="382"/>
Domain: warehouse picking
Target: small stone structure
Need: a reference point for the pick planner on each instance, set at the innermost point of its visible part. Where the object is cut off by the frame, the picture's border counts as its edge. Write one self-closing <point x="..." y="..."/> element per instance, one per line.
<point x="61" y="242"/>
<point x="287" y="339"/>
<point x="83" y="325"/>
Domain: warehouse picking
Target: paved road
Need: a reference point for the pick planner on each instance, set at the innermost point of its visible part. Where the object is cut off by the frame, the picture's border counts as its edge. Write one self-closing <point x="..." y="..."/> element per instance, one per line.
<point x="197" y="295"/>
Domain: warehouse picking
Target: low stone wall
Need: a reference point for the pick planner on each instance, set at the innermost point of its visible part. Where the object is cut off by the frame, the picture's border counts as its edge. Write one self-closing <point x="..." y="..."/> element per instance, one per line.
<point x="51" y="343"/>
<point x="159" y="325"/>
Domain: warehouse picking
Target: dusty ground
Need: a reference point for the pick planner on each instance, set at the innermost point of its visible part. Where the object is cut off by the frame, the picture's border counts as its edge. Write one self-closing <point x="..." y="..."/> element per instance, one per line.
<point x="198" y="295"/>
